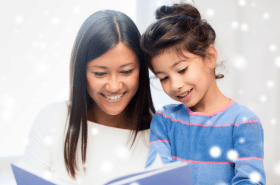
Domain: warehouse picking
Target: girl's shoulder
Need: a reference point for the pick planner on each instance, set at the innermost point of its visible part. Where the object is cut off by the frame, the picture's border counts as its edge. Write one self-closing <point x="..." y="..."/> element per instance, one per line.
<point x="170" y="108"/>
<point x="242" y="114"/>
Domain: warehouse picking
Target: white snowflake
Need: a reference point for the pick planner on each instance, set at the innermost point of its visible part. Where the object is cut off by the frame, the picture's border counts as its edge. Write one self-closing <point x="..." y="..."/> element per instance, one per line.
<point x="19" y="19"/>
<point x="277" y="61"/>
<point x="79" y="180"/>
<point x="76" y="10"/>
<point x="47" y="175"/>
<point x="266" y="15"/>
<point x="263" y="98"/>
<point x="221" y="183"/>
<point x="215" y="151"/>
<point x="43" y="45"/>
<point x="159" y="108"/>
<point x="55" y="21"/>
<point x="234" y="24"/>
<point x="41" y="68"/>
<point x="25" y="142"/>
<point x="210" y="12"/>
<point x="122" y="152"/>
<point x="7" y="115"/>
<point x="277" y="168"/>
<point x="273" y="121"/>
<point x="244" y="119"/>
<point x="3" y="78"/>
<point x="239" y="62"/>
<point x="255" y="177"/>
<point x="8" y="101"/>
<point x="35" y="44"/>
<point x="134" y="183"/>
<point x="241" y="2"/>
<point x="273" y="47"/>
<point x="242" y="140"/>
<point x="244" y="27"/>
<point x="48" y="140"/>
<point x="270" y="83"/>
<point x="46" y="12"/>
<point x="240" y="91"/>
<point x="159" y="3"/>
<point x="232" y="155"/>
<point x="94" y="131"/>
<point x="53" y="129"/>
<point x="107" y="166"/>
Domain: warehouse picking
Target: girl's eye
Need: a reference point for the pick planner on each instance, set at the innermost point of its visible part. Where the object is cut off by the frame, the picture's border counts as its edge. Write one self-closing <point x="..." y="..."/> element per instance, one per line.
<point x="163" y="79"/>
<point x="127" y="72"/>
<point x="99" y="74"/>
<point x="183" y="70"/>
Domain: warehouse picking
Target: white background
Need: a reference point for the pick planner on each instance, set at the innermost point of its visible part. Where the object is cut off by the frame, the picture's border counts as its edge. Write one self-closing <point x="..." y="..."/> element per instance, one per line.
<point x="37" y="37"/>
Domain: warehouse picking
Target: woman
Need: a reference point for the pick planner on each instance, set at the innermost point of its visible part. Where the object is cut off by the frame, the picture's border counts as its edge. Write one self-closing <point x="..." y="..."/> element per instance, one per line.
<point x="102" y="132"/>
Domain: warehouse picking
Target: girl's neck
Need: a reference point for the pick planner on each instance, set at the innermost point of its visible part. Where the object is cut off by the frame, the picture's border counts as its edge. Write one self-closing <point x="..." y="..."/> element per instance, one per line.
<point x="212" y="101"/>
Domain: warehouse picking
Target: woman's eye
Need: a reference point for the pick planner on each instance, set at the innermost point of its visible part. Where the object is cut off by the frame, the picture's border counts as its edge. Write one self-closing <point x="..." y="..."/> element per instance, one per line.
<point x="127" y="72"/>
<point x="163" y="79"/>
<point x="99" y="74"/>
<point x="183" y="70"/>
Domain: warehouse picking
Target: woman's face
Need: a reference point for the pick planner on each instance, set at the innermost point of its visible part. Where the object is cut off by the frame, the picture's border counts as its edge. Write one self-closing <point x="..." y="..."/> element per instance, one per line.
<point x="113" y="79"/>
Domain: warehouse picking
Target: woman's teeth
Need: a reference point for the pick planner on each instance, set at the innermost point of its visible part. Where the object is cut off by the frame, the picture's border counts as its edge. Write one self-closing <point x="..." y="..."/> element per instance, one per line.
<point x="114" y="97"/>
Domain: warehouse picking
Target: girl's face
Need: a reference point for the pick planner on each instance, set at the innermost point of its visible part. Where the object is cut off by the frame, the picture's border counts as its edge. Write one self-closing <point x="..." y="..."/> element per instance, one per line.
<point x="113" y="79"/>
<point x="185" y="79"/>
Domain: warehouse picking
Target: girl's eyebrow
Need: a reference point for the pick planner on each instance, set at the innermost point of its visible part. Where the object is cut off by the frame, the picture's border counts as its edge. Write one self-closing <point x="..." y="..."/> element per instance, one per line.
<point x="178" y="63"/>
<point x="160" y="72"/>
<point x="103" y="67"/>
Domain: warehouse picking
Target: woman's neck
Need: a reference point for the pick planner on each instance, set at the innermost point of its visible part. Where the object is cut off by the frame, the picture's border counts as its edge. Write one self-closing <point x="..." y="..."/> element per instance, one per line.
<point x="97" y="115"/>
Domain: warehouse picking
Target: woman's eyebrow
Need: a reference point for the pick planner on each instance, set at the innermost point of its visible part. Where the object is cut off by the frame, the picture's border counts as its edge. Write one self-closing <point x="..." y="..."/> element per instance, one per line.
<point x="103" y="67"/>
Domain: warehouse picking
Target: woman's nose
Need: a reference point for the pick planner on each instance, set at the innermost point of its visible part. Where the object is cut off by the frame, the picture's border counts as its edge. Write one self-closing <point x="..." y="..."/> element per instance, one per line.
<point x="114" y="84"/>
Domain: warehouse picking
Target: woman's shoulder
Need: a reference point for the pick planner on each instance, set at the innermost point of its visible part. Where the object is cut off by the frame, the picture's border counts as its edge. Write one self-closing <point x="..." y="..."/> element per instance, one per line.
<point x="51" y="116"/>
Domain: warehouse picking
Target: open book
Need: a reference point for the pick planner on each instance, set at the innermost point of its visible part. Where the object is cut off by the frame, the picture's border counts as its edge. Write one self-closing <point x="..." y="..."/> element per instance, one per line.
<point x="173" y="173"/>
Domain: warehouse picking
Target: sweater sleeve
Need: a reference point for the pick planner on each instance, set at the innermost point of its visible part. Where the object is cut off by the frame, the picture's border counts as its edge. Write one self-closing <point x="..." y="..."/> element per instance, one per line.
<point x="248" y="142"/>
<point x="159" y="141"/>
<point x="42" y="139"/>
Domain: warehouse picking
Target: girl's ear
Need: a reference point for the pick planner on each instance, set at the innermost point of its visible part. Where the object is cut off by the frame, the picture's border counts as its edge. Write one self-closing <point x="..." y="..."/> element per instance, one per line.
<point x="212" y="56"/>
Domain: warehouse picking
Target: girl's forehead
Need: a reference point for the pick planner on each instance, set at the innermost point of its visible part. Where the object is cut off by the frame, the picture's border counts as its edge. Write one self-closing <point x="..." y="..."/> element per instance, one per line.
<point x="168" y="59"/>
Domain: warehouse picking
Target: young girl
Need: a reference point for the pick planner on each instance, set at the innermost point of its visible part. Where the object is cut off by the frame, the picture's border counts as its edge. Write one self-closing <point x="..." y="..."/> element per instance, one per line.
<point x="102" y="131"/>
<point x="221" y="139"/>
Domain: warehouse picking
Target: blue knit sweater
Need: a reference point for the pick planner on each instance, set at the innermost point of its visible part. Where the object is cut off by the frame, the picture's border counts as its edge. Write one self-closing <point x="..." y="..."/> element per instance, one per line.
<point x="224" y="147"/>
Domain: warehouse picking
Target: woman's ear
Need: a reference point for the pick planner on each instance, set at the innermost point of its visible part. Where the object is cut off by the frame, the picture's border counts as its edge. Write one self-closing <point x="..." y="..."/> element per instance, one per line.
<point x="212" y="56"/>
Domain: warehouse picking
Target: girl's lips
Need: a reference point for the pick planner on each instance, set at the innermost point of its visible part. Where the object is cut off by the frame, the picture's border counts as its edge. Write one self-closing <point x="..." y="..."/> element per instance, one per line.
<point x="187" y="97"/>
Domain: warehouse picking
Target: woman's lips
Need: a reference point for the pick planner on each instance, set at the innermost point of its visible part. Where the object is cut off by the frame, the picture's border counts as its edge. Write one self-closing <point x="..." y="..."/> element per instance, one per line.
<point x="114" y="99"/>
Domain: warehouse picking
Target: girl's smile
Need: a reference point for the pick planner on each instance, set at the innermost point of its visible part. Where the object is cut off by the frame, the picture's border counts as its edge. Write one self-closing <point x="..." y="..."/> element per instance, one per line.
<point x="188" y="79"/>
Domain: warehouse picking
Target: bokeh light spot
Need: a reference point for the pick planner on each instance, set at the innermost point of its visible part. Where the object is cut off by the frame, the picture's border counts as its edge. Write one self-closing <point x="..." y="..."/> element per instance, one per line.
<point x="263" y="98"/>
<point x="107" y="166"/>
<point x="232" y="155"/>
<point x="215" y="151"/>
<point x="255" y="177"/>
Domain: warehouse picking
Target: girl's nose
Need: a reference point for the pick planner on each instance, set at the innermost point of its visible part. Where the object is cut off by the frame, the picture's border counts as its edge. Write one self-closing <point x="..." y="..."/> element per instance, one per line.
<point x="176" y="83"/>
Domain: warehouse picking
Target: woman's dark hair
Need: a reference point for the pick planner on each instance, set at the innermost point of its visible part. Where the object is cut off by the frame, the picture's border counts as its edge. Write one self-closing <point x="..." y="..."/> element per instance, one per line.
<point x="101" y="32"/>
<point x="178" y="27"/>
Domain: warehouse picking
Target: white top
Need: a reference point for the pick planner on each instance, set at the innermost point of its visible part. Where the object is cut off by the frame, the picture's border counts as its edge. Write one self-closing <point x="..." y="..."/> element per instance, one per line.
<point x="108" y="149"/>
